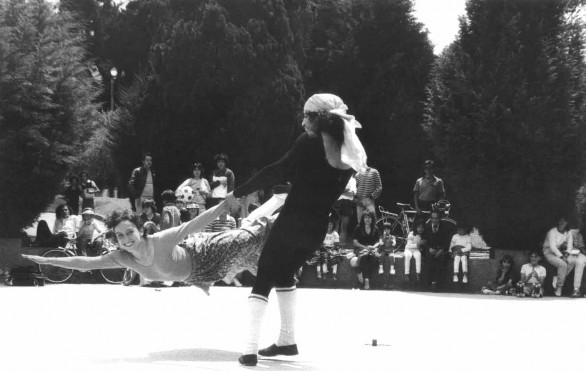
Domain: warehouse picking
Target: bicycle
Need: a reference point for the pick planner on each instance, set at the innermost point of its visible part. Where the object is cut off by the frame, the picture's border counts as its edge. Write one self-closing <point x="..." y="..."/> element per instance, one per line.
<point x="402" y="223"/>
<point x="59" y="275"/>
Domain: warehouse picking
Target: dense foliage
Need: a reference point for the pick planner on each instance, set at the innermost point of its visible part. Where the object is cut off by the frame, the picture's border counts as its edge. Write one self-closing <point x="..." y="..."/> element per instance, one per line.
<point x="46" y="107"/>
<point x="506" y="115"/>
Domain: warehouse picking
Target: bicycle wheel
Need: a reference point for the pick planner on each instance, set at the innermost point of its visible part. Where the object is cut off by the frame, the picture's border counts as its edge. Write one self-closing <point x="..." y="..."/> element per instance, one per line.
<point x="52" y="273"/>
<point x="112" y="275"/>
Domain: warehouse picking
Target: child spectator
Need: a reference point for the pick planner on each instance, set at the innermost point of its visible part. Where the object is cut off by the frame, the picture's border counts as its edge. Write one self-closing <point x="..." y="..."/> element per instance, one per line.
<point x="387" y="247"/>
<point x="333" y="254"/>
<point x="505" y="281"/>
<point x="412" y="250"/>
<point x="150" y="214"/>
<point x="88" y="234"/>
<point x="460" y="246"/>
<point x="222" y="223"/>
<point x="532" y="277"/>
<point x="170" y="216"/>
<point x="321" y="257"/>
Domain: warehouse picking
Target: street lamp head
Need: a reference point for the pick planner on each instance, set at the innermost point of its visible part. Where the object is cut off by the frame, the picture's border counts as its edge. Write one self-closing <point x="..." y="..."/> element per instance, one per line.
<point x="113" y="72"/>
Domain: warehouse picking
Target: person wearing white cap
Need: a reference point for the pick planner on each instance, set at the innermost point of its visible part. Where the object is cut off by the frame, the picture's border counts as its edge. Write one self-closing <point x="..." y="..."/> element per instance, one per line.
<point x="89" y="232"/>
<point x="319" y="165"/>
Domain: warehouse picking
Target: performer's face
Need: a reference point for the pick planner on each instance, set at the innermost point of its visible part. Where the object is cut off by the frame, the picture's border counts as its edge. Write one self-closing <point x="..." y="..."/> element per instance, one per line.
<point x="128" y="235"/>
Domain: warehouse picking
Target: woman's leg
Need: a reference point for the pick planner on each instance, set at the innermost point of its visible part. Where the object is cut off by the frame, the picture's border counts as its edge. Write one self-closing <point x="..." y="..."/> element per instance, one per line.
<point x="579" y="271"/>
<point x="417" y="256"/>
<point x="562" y="269"/>
<point x="408" y="255"/>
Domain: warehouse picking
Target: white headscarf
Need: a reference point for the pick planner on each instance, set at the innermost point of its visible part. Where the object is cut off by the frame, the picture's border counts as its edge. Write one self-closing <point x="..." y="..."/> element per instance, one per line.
<point x="352" y="151"/>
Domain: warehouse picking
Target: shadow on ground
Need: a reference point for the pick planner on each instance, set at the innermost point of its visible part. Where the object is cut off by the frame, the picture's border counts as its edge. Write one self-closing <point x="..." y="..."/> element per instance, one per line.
<point x="207" y="355"/>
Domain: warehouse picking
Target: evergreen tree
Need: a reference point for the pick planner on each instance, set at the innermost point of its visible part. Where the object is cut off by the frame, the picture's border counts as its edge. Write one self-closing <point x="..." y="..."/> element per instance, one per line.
<point x="505" y="112"/>
<point x="46" y="107"/>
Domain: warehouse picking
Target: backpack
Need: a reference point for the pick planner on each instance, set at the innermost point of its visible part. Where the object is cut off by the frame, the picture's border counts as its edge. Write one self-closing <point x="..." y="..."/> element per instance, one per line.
<point x="25" y="276"/>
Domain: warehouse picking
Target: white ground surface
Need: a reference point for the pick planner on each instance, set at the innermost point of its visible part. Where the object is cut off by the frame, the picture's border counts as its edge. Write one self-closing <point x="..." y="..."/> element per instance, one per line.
<point x="107" y="327"/>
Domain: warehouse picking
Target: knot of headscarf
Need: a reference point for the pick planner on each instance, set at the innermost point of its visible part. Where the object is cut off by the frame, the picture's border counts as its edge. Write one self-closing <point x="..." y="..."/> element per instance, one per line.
<point x="352" y="151"/>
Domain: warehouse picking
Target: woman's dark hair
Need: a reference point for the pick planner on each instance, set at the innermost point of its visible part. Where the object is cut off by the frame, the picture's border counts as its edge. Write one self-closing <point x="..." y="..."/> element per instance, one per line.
<point x="563" y="216"/>
<point x="59" y="213"/>
<point x="221" y="156"/>
<point x="416" y="224"/>
<point x="328" y="123"/>
<point x="146" y="204"/>
<point x="168" y="196"/>
<point x="118" y="216"/>
<point x="372" y="221"/>
<point x="72" y="178"/>
<point x="197" y="166"/>
<point x="508" y="258"/>
<point x="184" y="215"/>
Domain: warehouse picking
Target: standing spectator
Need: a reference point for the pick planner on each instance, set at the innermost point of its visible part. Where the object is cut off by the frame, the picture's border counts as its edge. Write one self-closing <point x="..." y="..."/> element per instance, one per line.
<point x="170" y="216"/>
<point x="368" y="188"/>
<point x="345" y="207"/>
<point x="412" y="250"/>
<point x="221" y="180"/>
<point x="532" y="277"/>
<point x="460" y="247"/>
<point x="428" y="189"/>
<point x="556" y="249"/>
<point x="224" y="222"/>
<point x="200" y="186"/>
<point x="505" y="278"/>
<point x="366" y="242"/>
<point x="72" y="195"/>
<point x="88" y="189"/>
<point x="141" y="184"/>
<point x="150" y="214"/>
<point x="435" y="243"/>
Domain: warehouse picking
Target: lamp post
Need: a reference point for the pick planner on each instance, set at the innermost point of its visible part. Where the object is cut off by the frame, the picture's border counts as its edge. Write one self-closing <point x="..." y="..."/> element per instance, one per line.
<point x="113" y="73"/>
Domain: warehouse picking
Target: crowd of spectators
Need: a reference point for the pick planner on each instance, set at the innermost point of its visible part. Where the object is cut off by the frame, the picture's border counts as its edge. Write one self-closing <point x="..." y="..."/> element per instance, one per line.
<point x="430" y="247"/>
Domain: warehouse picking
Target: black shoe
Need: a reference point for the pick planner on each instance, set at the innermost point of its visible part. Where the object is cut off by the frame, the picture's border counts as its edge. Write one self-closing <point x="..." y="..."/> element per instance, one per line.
<point x="248" y="359"/>
<point x="274" y="350"/>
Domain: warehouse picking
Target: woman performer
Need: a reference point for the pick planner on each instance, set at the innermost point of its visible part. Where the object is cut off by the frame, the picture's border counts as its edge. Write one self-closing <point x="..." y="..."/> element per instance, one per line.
<point x="319" y="165"/>
<point x="200" y="260"/>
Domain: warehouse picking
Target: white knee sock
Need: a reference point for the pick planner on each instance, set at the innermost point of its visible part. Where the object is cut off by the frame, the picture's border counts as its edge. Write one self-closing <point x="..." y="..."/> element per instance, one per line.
<point x="287" y="304"/>
<point x="257" y="306"/>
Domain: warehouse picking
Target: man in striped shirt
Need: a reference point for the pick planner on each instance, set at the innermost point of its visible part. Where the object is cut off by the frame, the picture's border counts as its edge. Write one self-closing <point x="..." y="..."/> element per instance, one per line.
<point x="368" y="188"/>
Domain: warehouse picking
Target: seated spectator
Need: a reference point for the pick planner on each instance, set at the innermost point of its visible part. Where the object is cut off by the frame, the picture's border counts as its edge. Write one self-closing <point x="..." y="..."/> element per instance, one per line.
<point x="579" y="252"/>
<point x="170" y="216"/>
<point x="506" y="278"/>
<point x="556" y="249"/>
<point x="64" y="229"/>
<point x="412" y="250"/>
<point x="460" y="247"/>
<point x="532" y="277"/>
<point x="321" y="257"/>
<point x="387" y="247"/>
<point x="89" y="234"/>
<point x="150" y="214"/>
<point x="223" y="222"/>
<point x="366" y="242"/>
<point x="435" y="243"/>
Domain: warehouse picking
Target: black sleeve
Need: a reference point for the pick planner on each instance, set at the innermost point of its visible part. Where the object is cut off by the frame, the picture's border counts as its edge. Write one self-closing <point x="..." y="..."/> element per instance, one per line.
<point x="277" y="172"/>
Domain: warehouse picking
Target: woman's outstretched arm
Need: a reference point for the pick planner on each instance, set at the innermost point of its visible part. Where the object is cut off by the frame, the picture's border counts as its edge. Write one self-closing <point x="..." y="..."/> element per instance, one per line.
<point x="172" y="236"/>
<point x="82" y="263"/>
